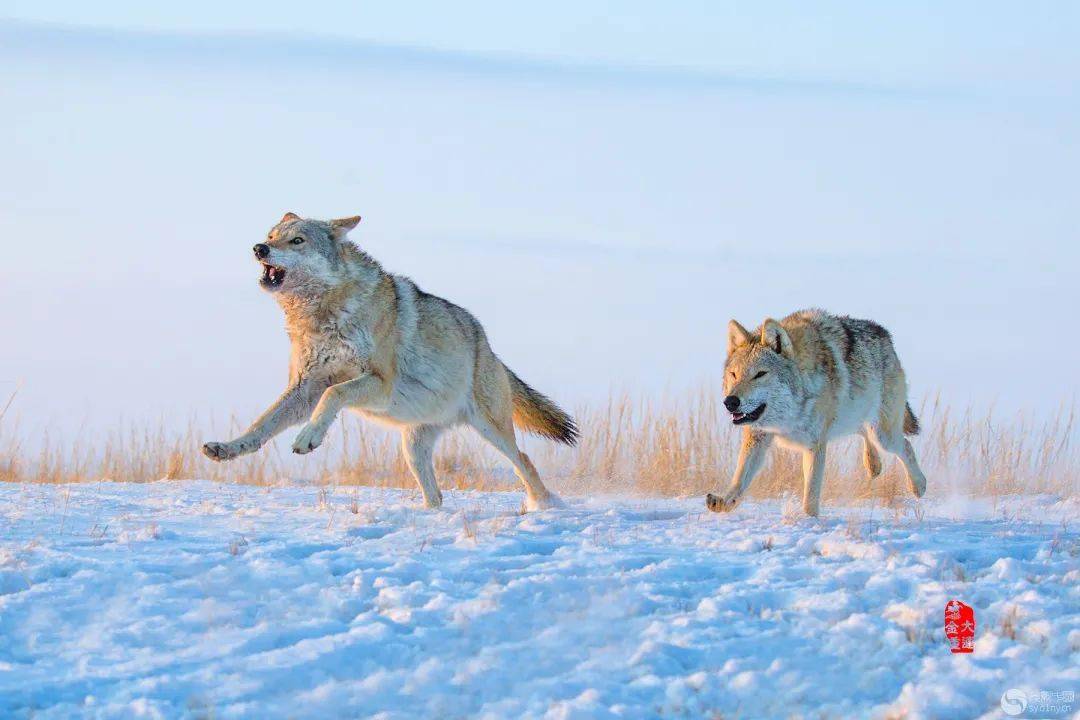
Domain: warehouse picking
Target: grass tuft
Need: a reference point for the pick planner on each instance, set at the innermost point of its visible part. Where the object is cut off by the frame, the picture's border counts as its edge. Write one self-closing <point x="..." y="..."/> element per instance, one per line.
<point x="674" y="446"/>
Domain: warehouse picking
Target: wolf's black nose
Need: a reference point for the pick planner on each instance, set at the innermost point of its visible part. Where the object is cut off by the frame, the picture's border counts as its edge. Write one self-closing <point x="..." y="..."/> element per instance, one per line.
<point x="731" y="403"/>
<point x="261" y="250"/>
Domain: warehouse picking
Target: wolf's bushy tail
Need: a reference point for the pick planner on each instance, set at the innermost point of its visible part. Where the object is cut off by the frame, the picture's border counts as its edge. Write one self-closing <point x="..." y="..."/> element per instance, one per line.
<point x="911" y="423"/>
<point x="535" y="412"/>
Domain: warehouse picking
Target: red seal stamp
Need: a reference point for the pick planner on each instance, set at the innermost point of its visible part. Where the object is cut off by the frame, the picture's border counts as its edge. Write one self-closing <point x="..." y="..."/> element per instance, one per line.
<point x="960" y="626"/>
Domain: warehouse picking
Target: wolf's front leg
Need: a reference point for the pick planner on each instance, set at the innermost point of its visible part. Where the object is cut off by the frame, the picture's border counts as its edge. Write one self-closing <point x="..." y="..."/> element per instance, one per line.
<point x="755" y="446"/>
<point x="366" y="391"/>
<point x="813" y="475"/>
<point x="291" y="408"/>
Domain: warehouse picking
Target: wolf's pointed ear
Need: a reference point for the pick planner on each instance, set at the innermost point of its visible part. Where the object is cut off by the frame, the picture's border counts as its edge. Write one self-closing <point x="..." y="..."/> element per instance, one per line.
<point x="736" y="335"/>
<point x="289" y="216"/>
<point x="774" y="337"/>
<point x="341" y="226"/>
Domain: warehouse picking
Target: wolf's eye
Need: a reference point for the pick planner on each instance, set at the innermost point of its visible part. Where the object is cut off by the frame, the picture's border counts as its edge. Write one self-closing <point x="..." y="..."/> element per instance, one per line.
<point x="296" y="241"/>
<point x="761" y="374"/>
<point x="732" y="374"/>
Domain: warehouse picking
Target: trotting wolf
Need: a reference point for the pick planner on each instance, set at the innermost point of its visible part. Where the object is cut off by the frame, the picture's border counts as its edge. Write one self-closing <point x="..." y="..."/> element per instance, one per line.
<point x="373" y="342"/>
<point x="808" y="379"/>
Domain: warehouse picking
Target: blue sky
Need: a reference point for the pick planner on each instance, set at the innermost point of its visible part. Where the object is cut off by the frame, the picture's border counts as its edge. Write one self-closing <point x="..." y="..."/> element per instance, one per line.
<point x="603" y="206"/>
<point x="1028" y="47"/>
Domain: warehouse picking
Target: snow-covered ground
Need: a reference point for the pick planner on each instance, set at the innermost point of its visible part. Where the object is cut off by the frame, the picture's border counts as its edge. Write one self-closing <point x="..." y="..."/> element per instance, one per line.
<point x="193" y="599"/>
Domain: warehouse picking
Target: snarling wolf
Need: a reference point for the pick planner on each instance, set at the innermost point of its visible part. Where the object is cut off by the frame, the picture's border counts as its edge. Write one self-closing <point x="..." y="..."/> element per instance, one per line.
<point x="808" y="379"/>
<point x="375" y="343"/>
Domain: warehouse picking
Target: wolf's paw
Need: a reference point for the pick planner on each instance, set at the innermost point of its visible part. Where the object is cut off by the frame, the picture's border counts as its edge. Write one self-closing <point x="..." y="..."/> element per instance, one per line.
<point x="547" y="502"/>
<point x="310" y="437"/>
<point x="721" y="503"/>
<point x="221" y="451"/>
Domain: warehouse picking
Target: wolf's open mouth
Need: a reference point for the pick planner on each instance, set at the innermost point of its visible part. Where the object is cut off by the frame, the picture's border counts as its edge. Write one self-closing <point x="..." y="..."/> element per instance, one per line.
<point x="739" y="418"/>
<point x="272" y="276"/>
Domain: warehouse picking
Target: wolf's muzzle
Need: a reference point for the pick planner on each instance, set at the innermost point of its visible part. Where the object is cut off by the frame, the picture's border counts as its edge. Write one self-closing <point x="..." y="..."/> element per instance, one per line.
<point x="261" y="250"/>
<point x="741" y="418"/>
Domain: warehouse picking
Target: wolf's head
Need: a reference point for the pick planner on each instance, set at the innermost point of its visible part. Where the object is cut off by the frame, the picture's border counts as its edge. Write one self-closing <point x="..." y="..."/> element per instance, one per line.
<point x="301" y="254"/>
<point x="760" y="375"/>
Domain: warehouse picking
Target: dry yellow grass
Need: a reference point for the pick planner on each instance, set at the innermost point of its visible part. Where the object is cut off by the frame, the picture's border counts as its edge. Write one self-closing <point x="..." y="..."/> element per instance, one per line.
<point x="681" y="445"/>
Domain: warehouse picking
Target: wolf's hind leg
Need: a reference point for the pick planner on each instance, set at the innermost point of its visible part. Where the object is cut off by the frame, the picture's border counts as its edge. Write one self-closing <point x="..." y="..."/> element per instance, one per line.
<point x="418" y="444"/>
<point x="871" y="458"/>
<point x="889" y="431"/>
<point x="502" y="439"/>
<point x="916" y="479"/>
<point x="891" y="439"/>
